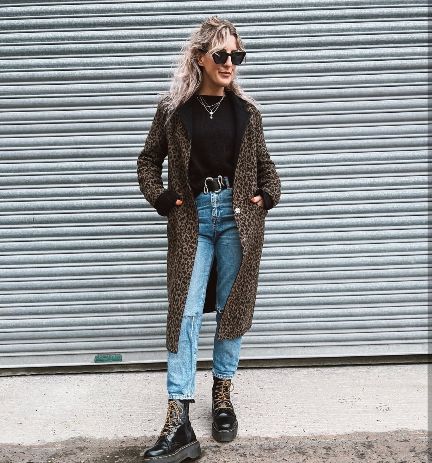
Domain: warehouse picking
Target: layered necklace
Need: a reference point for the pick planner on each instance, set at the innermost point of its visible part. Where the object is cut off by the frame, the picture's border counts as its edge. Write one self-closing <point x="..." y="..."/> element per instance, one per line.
<point x="211" y="109"/>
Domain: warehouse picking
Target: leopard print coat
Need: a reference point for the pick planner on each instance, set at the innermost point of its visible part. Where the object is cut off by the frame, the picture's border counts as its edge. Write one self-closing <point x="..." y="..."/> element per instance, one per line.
<point x="254" y="169"/>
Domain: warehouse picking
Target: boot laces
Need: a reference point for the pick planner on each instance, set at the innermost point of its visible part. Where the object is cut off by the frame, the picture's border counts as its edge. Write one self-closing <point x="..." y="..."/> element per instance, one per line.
<point x="172" y="417"/>
<point x="222" y="394"/>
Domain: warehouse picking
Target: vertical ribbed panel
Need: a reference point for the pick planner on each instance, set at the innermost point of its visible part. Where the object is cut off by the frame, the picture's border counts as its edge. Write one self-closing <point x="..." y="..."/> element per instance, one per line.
<point x="343" y="87"/>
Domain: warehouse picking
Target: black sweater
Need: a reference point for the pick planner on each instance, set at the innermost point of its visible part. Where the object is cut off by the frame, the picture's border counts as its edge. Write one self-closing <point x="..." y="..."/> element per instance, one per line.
<point x="212" y="151"/>
<point x="213" y="142"/>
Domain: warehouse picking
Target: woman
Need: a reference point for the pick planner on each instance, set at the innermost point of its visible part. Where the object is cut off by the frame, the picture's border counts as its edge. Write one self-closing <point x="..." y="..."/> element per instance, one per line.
<point x="221" y="183"/>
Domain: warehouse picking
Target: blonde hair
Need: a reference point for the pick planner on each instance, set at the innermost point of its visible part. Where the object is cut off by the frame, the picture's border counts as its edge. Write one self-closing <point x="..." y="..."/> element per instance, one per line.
<point x="212" y="35"/>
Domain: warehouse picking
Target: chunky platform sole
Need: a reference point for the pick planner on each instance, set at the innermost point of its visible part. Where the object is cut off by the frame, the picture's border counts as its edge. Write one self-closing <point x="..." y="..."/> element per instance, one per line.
<point x="192" y="451"/>
<point x="225" y="435"/>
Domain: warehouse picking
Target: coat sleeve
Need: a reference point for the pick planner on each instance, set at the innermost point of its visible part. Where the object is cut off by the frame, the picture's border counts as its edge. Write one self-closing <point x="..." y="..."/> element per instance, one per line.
<point x="151" y="157"/>
<point x="267" y="177"/>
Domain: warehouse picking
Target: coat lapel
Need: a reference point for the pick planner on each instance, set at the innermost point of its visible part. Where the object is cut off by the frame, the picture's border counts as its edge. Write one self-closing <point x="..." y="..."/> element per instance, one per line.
<point x="185" y="113"/>
<point x="241" y="115"/>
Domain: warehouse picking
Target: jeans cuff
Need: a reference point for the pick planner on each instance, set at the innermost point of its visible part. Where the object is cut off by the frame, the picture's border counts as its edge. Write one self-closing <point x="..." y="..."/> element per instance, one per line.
<point x="217" y="375"/>
<point x="181" y="397"/>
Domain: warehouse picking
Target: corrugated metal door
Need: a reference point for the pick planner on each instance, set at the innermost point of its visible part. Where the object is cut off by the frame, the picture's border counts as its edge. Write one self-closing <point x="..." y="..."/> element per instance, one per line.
<point x="82" y="257"/>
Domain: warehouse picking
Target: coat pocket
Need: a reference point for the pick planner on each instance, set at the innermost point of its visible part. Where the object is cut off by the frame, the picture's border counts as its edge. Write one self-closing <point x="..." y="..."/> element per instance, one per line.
<point x="259" y="209"/>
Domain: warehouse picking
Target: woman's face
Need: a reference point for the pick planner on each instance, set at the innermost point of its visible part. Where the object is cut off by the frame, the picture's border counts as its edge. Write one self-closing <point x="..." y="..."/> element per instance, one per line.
<point x="217" y="76"/>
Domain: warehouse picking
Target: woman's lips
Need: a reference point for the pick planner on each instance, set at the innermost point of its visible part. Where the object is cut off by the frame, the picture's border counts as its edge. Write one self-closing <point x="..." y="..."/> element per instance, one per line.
<point x="225" y="74"/>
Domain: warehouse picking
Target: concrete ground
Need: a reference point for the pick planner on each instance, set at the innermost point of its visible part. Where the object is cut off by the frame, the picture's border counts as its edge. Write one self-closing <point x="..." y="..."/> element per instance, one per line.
<point x="337" y="414"/>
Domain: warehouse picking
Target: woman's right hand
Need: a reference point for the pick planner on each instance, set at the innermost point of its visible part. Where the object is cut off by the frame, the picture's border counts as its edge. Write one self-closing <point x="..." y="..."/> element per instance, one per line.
<point x="166" y="201"/>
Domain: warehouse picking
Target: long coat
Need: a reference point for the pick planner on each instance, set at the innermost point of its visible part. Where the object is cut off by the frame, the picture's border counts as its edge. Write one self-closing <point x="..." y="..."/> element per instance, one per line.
<point x="253" y="169"/>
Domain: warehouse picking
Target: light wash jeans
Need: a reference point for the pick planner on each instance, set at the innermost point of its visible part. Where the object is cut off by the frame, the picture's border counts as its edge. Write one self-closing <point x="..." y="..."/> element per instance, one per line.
<point x="218" y="236"/>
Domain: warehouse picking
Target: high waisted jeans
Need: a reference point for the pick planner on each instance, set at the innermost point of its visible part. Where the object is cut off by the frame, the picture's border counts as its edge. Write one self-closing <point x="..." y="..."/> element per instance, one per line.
<point x="218" y="237"/>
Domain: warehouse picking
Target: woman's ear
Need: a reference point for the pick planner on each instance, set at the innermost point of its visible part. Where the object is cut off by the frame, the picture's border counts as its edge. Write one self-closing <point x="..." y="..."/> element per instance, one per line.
<point x="199" y="58"/>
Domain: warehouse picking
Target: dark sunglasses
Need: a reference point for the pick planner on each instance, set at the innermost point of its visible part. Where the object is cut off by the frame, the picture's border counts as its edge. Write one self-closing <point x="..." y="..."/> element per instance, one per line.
<point x="221" y="56"/>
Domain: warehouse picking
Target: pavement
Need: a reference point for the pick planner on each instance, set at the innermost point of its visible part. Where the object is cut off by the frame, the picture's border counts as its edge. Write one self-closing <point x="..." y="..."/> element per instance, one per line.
<point x="341" y="414"/>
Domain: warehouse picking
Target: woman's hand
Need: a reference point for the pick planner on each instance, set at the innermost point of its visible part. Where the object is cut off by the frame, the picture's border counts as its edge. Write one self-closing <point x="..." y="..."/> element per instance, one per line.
<point x="166" y="201"/>
<point x="258" y="200"/>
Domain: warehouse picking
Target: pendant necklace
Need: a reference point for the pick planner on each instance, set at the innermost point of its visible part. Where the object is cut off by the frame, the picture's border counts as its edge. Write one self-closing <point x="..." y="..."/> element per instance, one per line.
<point x="211" y="109"/>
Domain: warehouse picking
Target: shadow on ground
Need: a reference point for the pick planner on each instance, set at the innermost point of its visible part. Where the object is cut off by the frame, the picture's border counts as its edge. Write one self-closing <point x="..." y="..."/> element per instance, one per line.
<point x="400" y="446"/>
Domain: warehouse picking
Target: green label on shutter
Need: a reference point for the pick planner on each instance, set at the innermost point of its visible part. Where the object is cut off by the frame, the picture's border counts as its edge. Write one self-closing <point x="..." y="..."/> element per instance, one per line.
<point x="104" y="358"/>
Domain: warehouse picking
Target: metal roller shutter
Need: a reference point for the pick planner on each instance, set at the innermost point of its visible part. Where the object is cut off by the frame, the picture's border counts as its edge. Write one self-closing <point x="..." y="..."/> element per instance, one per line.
<point x="343" y="87"/>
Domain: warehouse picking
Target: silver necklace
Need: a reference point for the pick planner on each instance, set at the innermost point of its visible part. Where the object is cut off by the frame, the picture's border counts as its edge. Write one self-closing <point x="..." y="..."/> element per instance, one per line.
<point x="211" y="109"/>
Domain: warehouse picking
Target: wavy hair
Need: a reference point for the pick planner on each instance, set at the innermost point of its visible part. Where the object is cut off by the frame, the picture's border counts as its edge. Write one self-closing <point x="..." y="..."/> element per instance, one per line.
<point x="212" y="35"/>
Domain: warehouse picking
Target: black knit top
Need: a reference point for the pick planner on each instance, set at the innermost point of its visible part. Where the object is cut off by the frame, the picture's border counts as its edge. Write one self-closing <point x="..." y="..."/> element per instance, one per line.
<point x="212" y="151"/>
<point x="213" y="142"/>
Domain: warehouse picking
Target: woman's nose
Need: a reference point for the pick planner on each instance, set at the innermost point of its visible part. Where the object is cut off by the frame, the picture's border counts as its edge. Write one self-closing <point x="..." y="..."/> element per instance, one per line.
<point x="228" y="62"/>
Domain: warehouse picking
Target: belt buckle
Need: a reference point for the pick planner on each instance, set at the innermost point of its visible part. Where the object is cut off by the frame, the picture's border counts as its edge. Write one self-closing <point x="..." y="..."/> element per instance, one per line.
<point x="206" y="190"/>
<point x="220" y="180"/>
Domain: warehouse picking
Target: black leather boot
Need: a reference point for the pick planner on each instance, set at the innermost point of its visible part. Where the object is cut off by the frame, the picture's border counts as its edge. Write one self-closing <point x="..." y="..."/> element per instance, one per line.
<point x="224" y="427"/>
<point x="177" y="441"/>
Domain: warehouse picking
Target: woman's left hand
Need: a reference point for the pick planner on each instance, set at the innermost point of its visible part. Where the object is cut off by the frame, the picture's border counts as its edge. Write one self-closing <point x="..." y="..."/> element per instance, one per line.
<point x="258" y="200"/>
